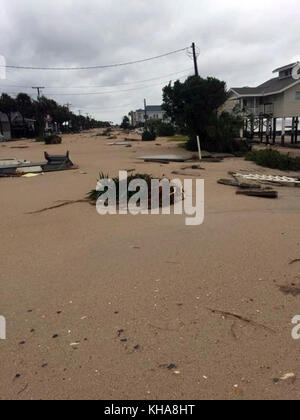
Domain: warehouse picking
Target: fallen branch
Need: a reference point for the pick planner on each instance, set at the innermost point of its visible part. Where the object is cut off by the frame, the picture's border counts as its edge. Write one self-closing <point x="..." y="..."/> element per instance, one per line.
<point x="294" y="261"/>
<point x="62" y="204"/>
<point x="241" y="318"/>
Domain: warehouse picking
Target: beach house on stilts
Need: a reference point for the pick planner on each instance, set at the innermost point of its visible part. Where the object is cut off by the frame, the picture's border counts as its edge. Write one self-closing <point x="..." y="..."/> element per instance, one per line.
<point x="272" y="108"/>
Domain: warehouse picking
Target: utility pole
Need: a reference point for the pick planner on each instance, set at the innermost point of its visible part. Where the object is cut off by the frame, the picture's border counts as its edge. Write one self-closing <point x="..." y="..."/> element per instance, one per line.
<point x="197" y="75"/>
<point x="145" y="105"/>
<point x="80" y="125"/>
<point x="38" y="88"/>
<point x="68" y="105"/>
<point x="195" y="59"/>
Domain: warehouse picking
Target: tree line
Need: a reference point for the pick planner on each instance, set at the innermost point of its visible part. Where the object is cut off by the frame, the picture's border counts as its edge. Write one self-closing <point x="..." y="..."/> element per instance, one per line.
<point x="38" y="110"/>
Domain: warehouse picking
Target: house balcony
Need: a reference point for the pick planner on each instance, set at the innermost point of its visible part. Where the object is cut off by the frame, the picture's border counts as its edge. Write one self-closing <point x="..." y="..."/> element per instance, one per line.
<point x="261" y="110"/>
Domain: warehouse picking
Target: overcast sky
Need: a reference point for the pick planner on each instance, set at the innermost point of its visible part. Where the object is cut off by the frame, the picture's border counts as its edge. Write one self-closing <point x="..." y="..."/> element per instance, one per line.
<point x="239" y="42"/>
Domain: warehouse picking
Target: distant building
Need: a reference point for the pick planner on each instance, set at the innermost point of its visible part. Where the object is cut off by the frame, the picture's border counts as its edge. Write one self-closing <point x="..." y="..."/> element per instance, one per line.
<point x="151" y="112"/>
<point x="20" y="127"/>
<point x="278" y="98"/>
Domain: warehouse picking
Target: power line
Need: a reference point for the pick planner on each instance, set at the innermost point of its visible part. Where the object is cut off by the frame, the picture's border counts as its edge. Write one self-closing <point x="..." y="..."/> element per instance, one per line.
<point x="103" y="86"/>
<point x="97" y="67"/>
<point x="99" y="93"/>
<point x="107" y="92"/>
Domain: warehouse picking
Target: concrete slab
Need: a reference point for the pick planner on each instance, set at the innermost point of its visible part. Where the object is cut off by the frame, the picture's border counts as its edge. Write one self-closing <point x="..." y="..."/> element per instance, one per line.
<point x="166" y="158"/>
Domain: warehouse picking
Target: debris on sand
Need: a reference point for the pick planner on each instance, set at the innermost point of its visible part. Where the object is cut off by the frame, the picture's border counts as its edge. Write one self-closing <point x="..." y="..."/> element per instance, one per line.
<point x="184" y="173"/>
<point x="23" y="389"/>
<point x="120" y="332"/>
<point x="249" y="188"/>
<point x="241" y="318"/>
<point x="294" y="261"/>
<point x="52" y="163"/>
<point x="290" y="290"/>
<point x="278" y="180"/>
<point x="291" y="377"/>
<point x="259" y="193"/>
<point x="62" y="204"/>
<point x="165" y="158"/>
<point x="235" y="183"/>
<point x="193" y="167"/>
<point x="170" y="366"/>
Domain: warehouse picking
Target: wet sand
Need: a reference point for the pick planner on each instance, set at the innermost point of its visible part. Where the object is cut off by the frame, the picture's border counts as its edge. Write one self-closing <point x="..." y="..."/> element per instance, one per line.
<point x="97" y="307"/>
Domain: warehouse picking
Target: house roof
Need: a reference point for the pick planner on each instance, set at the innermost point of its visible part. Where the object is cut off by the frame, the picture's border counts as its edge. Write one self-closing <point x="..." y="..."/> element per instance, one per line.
<point x="154" y="108"/>
<point x="247" y="91"/>
<point x="16" y="115"/>
<point x="289" y="66"/>
<point x="271" y="87"/>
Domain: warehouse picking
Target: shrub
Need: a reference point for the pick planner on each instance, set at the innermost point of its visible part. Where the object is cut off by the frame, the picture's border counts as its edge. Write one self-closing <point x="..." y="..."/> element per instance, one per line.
<point x="166" y="130"/>
<point x="50" y="139"/>
<point x="220" y="135"/>
<point x="94" y="195"/>
<point x="148" y="135"/>
<point x="274" y="160"/>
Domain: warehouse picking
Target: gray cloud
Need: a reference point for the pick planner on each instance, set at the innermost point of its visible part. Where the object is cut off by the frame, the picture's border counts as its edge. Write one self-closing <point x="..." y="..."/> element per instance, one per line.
<point x="240" y="42"/>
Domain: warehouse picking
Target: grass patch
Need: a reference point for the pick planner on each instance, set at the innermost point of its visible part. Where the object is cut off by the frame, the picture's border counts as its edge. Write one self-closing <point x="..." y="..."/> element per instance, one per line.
<point x="274" y="160"/>
<point x="179" y="139"/>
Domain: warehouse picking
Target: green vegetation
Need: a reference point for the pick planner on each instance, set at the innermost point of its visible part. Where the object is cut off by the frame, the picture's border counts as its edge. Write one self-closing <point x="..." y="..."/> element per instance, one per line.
<point x="125" y="123"/>
<point x="274" y="159"/>
<point x="50" y="139"/>
<point x="179" y="138"/>
<point x="158" y="128"/>
<point x="66" y="120"/>
<point x="94" y="194"/>
<point x="165" y="130"/>
<point x="193" y="106"/>
<point x="149" y="134"/>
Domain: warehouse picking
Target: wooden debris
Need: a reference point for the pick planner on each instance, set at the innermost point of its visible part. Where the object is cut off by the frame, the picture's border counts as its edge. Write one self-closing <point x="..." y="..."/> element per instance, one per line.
<point x="183" y="173"/>
<point x="193" y="167"/>
<point x="259" y="193"/>
<point x="235" y="183"/>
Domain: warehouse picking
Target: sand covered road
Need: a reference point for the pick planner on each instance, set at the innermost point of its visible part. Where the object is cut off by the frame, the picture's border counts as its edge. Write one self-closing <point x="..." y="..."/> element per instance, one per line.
<point x="99" y="307"/>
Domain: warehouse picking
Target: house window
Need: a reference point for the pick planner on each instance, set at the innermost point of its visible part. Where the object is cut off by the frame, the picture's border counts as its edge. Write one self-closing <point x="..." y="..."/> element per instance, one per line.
<point x="298" y="96"/>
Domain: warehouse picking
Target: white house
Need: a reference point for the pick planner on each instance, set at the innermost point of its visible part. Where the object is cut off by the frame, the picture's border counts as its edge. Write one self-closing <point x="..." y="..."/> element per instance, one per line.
<point x="277" y="98"/>
<point x="151" y="112"/>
